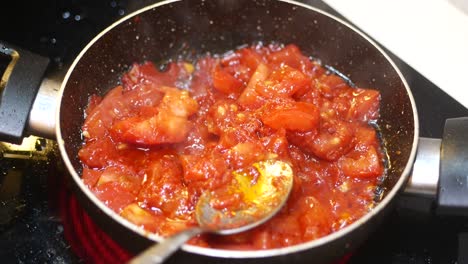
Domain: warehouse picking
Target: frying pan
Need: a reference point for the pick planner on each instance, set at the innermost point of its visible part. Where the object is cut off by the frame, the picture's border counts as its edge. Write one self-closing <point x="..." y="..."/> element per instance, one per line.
<point x="184" y="29"/>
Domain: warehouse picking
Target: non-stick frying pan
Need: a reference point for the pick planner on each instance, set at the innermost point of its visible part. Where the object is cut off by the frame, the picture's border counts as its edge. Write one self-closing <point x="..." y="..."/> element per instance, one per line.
<point x="173" y="29"/>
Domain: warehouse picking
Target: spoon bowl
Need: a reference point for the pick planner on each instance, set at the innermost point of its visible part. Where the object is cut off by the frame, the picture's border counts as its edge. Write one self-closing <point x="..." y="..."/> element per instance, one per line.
<point x="261" y="195"/>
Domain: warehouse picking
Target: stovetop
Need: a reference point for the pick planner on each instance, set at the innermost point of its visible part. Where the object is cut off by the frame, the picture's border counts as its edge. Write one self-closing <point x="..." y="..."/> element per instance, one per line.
<point x="33" y="227"/>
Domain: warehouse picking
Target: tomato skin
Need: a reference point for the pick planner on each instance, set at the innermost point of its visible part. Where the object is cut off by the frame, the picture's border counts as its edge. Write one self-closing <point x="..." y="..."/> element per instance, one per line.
<point x="296" y="117"/>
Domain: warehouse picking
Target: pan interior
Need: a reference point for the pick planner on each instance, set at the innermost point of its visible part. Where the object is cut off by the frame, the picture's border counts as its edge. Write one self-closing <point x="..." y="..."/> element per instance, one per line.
<point x="189" y="28"/>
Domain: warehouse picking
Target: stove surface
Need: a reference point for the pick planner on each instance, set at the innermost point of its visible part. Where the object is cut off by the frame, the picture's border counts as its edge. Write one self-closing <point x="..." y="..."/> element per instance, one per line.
<point x="38" y="223"/>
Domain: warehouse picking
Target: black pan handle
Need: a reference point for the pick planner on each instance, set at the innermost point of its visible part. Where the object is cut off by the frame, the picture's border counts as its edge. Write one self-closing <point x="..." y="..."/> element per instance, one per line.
<point x="453" y="181"/>
<point x="440" y="171"/>
<point x="22" y="73"/>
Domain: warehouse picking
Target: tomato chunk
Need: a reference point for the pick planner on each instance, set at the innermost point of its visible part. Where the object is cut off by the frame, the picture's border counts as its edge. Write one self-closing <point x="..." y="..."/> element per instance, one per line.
<point x="291" y="56"/>
<point x="155" y="144"/>
<point x="170" y="125"/>
<point x="250" y="97"/>
<point x="365" y="105"/>
<point x="333" y="141"/>
<point x="283" y="82"/>
<point x="225" y="82"/>
<point x="362" y="164"/>
<point x="297" y="117"/>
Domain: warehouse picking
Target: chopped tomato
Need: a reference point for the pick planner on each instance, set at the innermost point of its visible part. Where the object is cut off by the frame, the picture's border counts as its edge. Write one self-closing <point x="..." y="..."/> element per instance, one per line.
<point x="153" y="145"/>
<point x="250" y="97"/>
<point x="141" y="74"/>
<point x="204" y="171"/>
<point x="364" y="105"/>
<point x="312" y="218"/>
<point x="93" y="102"/>
<point x="362" y="164"/>
<point x="102" y="116"/>
<point x="164" y="188"/>
<point x="142" y="217"/>
<point x="283" y="82"/>
<point x="225" y="82"/>
<point x="366" y="136"/>
<point x="331" y="85"/>
<point x="333" y="141"/>
<point x="114" y="195"/>
<point x="90" y="177"/>
<point x="291" y="56"/>
<point x="297" y="117"/>
<point x="98" y="153"/>
<point x="250" y="58"/>
<point x="170" y="125"/>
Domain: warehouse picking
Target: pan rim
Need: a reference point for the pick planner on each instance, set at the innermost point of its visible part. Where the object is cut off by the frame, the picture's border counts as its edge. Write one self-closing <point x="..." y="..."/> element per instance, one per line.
<point x="223" y="253"/>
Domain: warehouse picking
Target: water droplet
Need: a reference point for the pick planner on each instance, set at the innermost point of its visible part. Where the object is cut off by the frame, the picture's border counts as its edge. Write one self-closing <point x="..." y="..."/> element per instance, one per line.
<point x="66" y="15"/>
<point x="113" y="4"/>
<point x="77" y="17"/>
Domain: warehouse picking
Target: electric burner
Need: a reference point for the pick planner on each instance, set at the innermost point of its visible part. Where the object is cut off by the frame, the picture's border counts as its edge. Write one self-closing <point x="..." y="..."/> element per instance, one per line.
<point x="41" y="221"/>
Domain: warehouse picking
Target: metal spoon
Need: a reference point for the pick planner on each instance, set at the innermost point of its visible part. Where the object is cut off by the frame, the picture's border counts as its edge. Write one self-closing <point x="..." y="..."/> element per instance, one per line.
<point x="264" y="194"/>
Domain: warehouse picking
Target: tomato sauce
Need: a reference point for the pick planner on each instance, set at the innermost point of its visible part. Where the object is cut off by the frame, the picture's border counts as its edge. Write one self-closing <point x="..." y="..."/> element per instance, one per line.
<point x="155" y="143"/>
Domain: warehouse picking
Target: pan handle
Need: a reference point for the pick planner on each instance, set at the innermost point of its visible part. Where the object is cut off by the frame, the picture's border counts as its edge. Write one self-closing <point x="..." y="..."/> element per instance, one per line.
<point x="440" y="171"/>
<point x="425" y="175"/>
<point x="453" y="181"/>
<point x="21" y="74"/>
<point x="42" y="121"/>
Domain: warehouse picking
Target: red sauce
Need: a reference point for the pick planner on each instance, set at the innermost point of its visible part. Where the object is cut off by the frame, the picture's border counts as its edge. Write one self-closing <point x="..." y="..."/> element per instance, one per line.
<point x="155" y="143"/>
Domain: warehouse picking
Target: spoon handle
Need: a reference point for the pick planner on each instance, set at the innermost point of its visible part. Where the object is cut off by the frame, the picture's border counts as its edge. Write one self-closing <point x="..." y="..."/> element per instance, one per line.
<point x="158" y="253"/>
